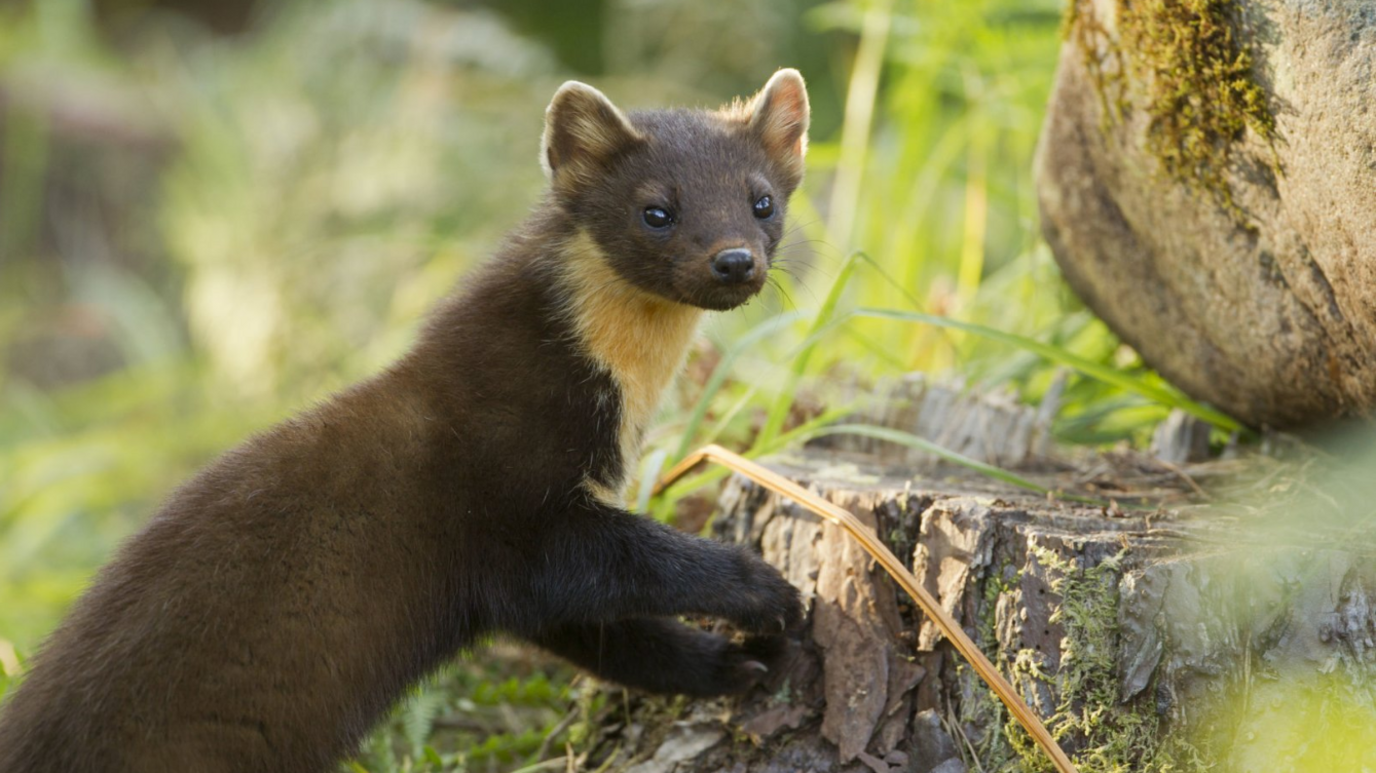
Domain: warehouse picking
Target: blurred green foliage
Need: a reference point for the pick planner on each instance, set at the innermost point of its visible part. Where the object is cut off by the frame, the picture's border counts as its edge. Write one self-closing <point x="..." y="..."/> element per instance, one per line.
<point x="210" y="219"/>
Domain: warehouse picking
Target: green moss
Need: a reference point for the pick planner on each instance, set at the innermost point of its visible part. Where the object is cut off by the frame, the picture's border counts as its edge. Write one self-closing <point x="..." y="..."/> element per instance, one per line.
<point x="1105" y="733"/>
<point x="979" y="709"/>
<point x="1100" y="56"/>
<point x="1192" y="76"/>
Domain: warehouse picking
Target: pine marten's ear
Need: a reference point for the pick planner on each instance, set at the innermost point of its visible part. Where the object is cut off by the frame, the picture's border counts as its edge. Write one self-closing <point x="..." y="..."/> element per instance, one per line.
<point x="779" y="115"/>
<point x="583" y="131"/>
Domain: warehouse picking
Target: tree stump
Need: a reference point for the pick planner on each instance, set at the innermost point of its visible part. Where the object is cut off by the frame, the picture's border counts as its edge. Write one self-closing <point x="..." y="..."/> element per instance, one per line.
<point x="1207" y="183"/>
<point x="1144" y="638"/>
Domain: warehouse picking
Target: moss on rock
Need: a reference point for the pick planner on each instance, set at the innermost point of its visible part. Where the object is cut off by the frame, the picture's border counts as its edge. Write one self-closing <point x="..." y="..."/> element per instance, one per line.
<point x="1192" y="75"/>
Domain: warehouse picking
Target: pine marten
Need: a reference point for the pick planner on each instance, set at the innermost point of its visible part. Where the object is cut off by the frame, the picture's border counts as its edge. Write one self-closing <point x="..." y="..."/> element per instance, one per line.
<point x="279" y="603"/>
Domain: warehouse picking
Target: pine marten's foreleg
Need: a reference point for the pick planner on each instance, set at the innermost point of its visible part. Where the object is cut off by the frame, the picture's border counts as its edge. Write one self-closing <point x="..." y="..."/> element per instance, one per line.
<point x="601" y="564"/>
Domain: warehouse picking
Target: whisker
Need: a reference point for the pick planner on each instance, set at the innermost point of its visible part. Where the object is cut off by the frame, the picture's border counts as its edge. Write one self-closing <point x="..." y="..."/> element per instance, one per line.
<point x="812" y="267"/>
<point x="799" y="282"/>
<point x="786" y="299"/>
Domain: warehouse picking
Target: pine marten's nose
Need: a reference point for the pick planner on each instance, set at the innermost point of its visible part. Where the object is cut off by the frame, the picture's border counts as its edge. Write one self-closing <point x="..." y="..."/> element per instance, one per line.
<point x="733" y="266"/>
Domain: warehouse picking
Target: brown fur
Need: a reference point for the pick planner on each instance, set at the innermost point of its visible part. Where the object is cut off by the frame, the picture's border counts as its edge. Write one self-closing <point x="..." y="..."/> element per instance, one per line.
<point x="282" y="599"/>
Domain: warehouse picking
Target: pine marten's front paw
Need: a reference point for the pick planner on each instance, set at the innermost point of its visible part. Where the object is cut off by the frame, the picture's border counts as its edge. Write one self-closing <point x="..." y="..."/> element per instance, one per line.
<point x="741" y="666"/>
<point x="769" y="604"/>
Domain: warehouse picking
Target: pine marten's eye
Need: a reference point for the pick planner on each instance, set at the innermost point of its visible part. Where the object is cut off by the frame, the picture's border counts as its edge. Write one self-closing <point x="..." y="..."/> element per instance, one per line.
<point x="657" y="217"/>
<point x="764" y="207"/>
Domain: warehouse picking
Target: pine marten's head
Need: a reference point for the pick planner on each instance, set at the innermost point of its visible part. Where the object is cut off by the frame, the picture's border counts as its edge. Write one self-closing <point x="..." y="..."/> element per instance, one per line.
<point x="685" y="204"/>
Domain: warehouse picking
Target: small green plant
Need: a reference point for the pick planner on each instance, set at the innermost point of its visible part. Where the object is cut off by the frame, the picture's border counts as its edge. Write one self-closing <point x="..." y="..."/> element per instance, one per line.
<point x="473" y="716"/>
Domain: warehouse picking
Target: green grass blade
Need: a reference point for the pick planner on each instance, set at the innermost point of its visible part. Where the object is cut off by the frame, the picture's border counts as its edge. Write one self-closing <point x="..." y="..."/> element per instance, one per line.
<point x="649" y="473"/>
<point x="778" y="410"/>
<point x="729" y="414"/>
<point x="558" y="763"/>
<point x="723" y="369"/>
<point x="714" y="474"/>
<point x="1087" y="367"/>
<point x="922" y="444"/>
<point x="821" y="426"/>
<point x="857" y="121"/>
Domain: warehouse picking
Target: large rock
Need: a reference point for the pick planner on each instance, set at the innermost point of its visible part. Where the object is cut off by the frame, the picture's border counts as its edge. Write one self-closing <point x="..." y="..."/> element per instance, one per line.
<point x="1265" y="307"/>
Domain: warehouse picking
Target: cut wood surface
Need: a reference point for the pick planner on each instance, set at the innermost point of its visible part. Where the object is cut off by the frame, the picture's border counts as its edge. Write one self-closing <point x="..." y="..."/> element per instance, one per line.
<point x="1135" y="634"/>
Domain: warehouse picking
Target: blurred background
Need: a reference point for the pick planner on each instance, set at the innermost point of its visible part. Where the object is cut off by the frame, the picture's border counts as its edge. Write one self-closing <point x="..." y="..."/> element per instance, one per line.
<point x="213" y="214"/>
